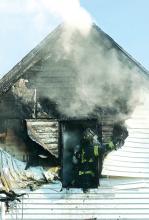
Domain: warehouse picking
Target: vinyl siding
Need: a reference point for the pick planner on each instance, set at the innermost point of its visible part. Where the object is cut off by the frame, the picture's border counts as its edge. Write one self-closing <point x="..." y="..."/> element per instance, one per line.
<point x="45" y="133"/>
<point x="116" y="198"/>
<point x="132" y="160"/>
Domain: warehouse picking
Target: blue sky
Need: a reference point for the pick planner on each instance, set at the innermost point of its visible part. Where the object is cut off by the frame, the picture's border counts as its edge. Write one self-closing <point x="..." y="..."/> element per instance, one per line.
<point x="23" y="26"/>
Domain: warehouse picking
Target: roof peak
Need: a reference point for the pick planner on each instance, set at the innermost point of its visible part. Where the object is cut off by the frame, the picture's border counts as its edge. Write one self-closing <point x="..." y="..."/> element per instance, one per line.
<point x="36" y="55"/>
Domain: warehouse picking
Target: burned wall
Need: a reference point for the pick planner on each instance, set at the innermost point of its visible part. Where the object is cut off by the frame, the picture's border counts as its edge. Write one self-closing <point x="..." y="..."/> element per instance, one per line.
<point x="93" y="73"/>
<point x="35" y="143"/>
<point x="92" y="78"/>
<point x="11" y="139"/>
<point x="75" y="76"/>
<point x="18" y="102"/>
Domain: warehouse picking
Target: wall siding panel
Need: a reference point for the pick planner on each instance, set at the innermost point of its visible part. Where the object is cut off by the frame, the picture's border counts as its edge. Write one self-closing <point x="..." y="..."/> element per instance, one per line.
<point x="116" y="198"/>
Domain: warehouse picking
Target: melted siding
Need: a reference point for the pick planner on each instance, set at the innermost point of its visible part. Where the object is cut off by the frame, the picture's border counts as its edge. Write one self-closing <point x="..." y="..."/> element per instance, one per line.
<point x="45" y="133"/>
<point x="132" y="160"/>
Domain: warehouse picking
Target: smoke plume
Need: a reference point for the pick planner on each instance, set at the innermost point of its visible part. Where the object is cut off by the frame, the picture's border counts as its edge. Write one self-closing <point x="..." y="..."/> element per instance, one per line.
<point x="71" y="13"/>
<point x="98" y="72"/>
<point x="68" y="11"/>
<point x="103" y="76"/>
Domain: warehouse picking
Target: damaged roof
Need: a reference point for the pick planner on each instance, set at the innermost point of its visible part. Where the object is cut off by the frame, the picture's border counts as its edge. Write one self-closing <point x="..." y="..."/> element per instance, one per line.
<point x="42" y="50"/>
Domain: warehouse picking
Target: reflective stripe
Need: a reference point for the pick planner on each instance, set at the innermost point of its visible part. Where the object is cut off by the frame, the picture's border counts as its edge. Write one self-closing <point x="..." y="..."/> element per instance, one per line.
<point x="86" y="172"/>
<point x="83" y="159"/>
<point x="111" y="145"/>
<point x="83" y="156"/>
<point x="96" y="152"/>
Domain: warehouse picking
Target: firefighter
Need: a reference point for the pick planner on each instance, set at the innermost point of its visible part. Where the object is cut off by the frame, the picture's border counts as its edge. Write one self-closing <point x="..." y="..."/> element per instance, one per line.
<point x="88" y="168"/>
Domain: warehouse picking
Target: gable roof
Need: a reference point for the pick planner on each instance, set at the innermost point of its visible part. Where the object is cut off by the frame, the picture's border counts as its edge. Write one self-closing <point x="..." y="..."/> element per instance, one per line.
<point x="40" y="50"/>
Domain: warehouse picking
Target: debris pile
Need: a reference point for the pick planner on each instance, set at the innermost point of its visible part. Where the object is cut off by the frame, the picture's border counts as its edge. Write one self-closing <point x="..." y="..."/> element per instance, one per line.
<point x="13" y="176"/>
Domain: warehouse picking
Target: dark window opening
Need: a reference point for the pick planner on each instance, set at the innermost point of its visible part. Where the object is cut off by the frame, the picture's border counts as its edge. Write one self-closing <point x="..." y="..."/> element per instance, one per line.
<point x="80" y="164"/>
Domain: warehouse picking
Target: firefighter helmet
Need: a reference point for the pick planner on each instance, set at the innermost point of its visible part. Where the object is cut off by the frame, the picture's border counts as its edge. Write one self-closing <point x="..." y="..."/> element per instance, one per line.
<point x="88" y="134"/>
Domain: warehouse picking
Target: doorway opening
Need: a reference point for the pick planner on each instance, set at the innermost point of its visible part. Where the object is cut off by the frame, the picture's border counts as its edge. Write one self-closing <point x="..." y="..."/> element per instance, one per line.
<point x="73" y="147"/>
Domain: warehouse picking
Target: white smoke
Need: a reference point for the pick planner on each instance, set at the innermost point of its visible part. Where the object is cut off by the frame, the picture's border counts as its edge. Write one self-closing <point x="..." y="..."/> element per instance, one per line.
<point x="39" y="17"/>
<point x="102" y="76"/>
<point x="71" y="12"/>
<point x="68" y="11"/>
<point x="43" y="12"/>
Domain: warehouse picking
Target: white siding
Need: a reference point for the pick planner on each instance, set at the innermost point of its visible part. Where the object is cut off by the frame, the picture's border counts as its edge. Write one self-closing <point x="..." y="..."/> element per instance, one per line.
<point x="116" y="198"/>
<point x="2" y="211"/>
<point x="132" y="160"/>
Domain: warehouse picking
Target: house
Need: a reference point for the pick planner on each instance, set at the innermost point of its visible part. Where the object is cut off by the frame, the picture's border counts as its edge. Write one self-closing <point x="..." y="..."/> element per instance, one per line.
<point x="68" y="83"/>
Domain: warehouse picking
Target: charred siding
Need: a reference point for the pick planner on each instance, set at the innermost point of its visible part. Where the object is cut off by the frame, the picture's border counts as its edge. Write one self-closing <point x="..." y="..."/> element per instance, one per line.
<point x="45" y="133"/>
